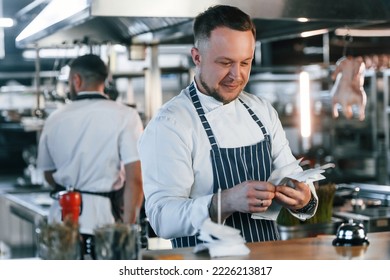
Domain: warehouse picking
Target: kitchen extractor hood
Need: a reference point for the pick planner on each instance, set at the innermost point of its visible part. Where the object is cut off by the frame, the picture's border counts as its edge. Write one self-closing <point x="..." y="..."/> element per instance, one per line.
<point x="170" y="21"/>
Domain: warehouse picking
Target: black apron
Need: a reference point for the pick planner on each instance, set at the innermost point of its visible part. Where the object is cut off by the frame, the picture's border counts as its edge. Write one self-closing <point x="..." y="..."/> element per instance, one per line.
<point x="116" y="196"/>
<point x="232" y="166"/>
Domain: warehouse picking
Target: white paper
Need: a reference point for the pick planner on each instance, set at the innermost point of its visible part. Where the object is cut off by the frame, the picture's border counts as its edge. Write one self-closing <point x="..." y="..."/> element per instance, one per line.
<point x="221" y="240"/>
<point x="283" y="176"/>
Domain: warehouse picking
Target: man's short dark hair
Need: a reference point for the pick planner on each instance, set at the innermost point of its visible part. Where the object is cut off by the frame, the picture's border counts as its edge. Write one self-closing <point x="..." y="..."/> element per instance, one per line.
<point x="221" y="16"/>
<point x="91" y="66"/>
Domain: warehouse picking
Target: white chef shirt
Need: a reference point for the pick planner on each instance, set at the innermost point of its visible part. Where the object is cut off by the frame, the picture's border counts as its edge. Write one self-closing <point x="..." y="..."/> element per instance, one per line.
<point x="175" y="156"/>
<point x="87" y="142"/>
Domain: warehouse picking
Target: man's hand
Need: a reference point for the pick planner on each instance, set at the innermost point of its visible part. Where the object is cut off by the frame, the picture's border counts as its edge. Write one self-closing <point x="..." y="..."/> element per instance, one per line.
<point x="247" y="197"/>
<point x="293" y="198"/>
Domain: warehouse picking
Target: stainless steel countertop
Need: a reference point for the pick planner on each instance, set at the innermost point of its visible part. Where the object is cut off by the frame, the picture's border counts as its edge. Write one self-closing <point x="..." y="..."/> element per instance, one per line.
<point x="9" y="184"/>
<point x="27" y="198"/>
<point x="38" y="202"/>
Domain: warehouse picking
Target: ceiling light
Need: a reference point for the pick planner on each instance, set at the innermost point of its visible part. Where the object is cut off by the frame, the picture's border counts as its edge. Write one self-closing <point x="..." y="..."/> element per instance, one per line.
<point x="55" y="12"/>
<point x="71" y="52"/>
<point x="305" y="109"/>
<point x="6" y="22"/>
<point x="302" y="19"/>
<point x="314" y="33"/>
<point x="362" y="32"/>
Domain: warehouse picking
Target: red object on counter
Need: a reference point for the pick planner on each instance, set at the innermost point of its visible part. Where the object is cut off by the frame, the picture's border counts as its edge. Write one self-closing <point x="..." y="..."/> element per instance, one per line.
<point x="70" y="202"/>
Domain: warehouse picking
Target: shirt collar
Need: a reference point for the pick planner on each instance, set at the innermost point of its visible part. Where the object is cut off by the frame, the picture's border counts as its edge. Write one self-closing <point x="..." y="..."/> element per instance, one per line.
<point x="89" y="92"/>
<point x="209" y="103"/>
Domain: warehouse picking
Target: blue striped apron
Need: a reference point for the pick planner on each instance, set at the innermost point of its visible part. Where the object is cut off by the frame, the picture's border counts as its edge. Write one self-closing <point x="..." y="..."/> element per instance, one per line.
<point x="232" y="166"/>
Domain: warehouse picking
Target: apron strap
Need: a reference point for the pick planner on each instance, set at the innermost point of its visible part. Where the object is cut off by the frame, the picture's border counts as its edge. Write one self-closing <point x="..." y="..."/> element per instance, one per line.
<point x="116" y="199"/>
<point x="201" y="114"/>
<point x="255" y="118"/>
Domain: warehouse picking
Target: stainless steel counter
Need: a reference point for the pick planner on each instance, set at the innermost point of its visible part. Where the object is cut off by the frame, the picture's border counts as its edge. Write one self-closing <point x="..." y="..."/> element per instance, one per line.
<point x="29" y="205"/>
<point x="21" y="210"/>
<point x="9" y="184"/>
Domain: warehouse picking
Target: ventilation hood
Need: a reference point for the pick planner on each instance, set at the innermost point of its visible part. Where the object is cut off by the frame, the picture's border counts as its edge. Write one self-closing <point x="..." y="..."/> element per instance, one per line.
<point x="170" y="21"/>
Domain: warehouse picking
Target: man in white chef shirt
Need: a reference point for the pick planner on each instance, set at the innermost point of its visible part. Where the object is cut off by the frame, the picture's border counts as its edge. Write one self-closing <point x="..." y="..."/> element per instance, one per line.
<point x="91" y="146"/>
<point x="212" y="136"/>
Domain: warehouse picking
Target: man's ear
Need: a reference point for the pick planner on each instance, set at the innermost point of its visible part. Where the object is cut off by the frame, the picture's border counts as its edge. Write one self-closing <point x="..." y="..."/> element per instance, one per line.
<point x="195" y="56"/>
<point x="77" y="81"/>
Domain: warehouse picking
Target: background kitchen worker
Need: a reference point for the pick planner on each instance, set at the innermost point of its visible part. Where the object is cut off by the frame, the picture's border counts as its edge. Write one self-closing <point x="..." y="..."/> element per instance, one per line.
<point x="214" y="135"/>
<point x="91" y="145"/>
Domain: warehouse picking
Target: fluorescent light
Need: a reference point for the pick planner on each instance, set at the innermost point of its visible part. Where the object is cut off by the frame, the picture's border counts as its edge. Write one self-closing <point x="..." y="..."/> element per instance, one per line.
<point x="54" y="12"/>
<point x="304" y="94"/>
<point x="72" y="52"/>
<point x="363" y="32"/>
<point x="6" y="22"/>
<point x="314" y="33"/>
<point x="302" y="19"/>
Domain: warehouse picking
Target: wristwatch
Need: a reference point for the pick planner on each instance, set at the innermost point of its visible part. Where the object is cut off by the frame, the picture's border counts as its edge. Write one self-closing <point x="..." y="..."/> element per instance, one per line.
<point x="309" y="207"/>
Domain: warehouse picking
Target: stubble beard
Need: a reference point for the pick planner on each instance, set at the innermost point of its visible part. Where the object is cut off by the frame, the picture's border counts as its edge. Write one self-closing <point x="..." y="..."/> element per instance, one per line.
<point x="212" y="91"/>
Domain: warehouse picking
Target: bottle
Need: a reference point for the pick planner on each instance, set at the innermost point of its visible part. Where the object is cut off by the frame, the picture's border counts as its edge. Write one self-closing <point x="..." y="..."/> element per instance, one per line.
<point x="70" y="202"/>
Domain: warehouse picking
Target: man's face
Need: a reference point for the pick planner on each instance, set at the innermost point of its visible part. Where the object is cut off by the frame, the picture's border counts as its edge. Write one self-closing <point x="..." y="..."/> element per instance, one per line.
<point x="223" y="63"/>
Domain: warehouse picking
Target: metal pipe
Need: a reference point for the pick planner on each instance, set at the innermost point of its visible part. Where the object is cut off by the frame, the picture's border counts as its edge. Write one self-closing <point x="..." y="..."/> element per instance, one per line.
<point x="38" y="112"/>
<point x="153" y="87"/>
